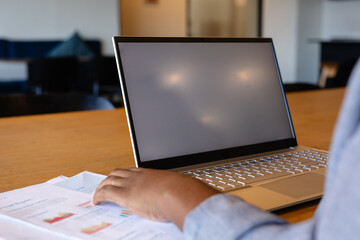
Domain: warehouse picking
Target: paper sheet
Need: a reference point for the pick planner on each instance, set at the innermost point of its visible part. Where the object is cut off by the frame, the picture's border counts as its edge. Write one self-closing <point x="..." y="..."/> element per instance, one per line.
<point x="65" y="208"/>
<point x="85" y="182"/>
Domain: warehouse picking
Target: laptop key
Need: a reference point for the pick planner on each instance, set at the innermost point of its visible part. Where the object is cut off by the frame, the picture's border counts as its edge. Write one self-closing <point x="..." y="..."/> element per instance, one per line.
<point x="258" y="179"/>
<point x="224" y="187"/>
<point x="236" y="184"/>
<point x="239" y="179"/>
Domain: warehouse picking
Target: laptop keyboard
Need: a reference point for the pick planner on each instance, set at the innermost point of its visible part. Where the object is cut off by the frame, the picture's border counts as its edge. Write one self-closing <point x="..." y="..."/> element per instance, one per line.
<point x="238" y="174"/>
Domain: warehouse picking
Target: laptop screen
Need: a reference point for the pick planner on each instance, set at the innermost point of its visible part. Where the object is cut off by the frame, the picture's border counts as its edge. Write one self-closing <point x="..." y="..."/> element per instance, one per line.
<point x="190" y="98"/>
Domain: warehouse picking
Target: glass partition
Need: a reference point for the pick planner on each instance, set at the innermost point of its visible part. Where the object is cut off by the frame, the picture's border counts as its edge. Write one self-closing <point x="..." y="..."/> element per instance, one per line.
<point x="224" y="18"/>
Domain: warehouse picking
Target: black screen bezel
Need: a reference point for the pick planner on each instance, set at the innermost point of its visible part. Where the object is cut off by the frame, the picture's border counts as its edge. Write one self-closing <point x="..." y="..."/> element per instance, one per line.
<point x="198" y="158"/>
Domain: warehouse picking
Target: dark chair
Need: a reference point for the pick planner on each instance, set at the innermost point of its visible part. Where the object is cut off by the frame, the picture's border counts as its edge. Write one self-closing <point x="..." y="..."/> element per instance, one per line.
<point x="52" y="75"/>
<point x="107" y="78"/>
<point x="17" y="105"/>
<point x="86" y="80"/>
<point x="99" y="76"/>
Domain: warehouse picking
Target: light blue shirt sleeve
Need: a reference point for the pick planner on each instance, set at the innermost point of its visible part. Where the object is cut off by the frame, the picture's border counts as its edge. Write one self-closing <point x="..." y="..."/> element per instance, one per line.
<point x="338" y="216"/>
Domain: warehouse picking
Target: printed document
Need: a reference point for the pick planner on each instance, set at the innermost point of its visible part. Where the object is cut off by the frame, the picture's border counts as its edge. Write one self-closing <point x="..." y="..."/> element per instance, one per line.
<point x="62" y="209"/>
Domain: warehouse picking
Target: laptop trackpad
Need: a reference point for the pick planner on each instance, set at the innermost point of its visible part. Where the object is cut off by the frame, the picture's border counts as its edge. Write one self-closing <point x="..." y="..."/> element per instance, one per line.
<point x="298" y="186"/>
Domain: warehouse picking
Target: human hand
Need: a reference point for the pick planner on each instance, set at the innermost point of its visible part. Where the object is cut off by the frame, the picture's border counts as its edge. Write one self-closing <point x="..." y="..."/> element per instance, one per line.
<point x="154" y="194"/>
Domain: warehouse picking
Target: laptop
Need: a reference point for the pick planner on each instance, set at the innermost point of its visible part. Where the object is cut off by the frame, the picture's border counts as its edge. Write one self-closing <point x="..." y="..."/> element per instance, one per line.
<point x="215" y="109"/>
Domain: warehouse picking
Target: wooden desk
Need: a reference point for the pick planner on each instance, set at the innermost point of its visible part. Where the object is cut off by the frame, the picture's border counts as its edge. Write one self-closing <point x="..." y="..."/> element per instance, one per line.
<point x="34" y="149"/>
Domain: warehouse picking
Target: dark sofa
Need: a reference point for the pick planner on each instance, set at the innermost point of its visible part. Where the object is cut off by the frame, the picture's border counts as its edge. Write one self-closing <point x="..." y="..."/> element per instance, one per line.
<point x="37" y="49"/>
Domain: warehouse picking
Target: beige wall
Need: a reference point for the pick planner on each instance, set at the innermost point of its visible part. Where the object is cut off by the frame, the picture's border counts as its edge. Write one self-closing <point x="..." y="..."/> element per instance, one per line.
<point x="164" y="18"/>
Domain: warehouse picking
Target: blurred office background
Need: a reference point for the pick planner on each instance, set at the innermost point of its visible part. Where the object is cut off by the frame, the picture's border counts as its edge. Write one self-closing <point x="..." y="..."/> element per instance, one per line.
<point x="64" y="47"/>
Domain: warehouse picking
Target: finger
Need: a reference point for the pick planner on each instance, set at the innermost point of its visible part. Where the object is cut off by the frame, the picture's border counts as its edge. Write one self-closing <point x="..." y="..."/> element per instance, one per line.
<point x="109" y="193"/>
<point x="121" y="172"/>
<point x="112" y="180"/>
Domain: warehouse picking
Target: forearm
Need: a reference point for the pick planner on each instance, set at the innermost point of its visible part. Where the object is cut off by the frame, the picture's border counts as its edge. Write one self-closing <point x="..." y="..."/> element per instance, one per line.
<point x="178" y="203"/>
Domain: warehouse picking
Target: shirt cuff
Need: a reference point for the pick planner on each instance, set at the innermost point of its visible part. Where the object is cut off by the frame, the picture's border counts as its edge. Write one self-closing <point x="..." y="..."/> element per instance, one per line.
<point x="225" y="216"/>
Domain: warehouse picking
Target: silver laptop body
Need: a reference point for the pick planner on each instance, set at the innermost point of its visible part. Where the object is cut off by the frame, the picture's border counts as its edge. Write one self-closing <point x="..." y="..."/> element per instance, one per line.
<point x="215" y="109"/>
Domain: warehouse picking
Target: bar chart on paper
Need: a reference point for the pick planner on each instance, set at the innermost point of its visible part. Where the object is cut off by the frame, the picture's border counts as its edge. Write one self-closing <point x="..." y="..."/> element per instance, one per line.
<point x="58" y="218"/>
<point x="96" y="228"/>
<point x="126" y="213"/>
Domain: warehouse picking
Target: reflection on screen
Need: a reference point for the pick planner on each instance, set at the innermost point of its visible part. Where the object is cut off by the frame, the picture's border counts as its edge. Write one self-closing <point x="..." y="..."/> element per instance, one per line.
<point x="188" y="98"/>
